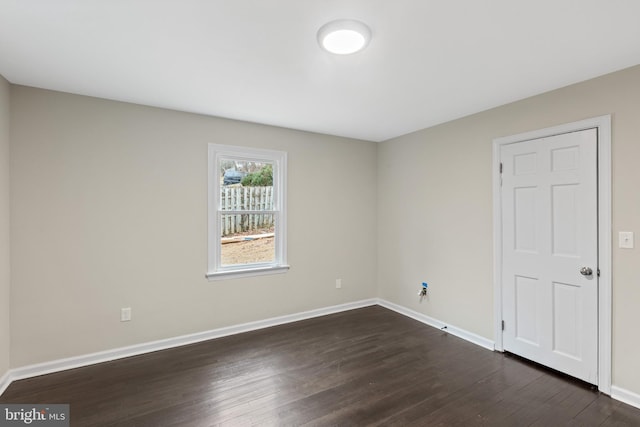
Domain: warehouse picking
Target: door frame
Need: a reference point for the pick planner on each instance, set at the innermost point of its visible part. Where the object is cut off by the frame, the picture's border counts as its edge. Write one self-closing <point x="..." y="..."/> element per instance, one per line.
<point x="603" y="126"/>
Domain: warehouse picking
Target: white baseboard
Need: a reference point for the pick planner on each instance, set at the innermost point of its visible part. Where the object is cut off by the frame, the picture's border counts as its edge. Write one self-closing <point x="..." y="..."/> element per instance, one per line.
<point x="458" y="332"/>
<point x="617" y="393"/>
<point x="625" y="396"/>
<point x="5" y="380"/>
<point x="134" y="350"/>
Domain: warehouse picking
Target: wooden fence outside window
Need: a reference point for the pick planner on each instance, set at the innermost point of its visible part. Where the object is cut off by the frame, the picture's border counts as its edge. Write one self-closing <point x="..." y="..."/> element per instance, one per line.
<point x="246" y="199"/>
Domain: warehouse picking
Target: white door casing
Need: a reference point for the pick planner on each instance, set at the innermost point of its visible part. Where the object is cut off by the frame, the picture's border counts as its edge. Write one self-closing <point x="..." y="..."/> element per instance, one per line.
<point x="556" y="316"/>
<point x="550" y="233"/>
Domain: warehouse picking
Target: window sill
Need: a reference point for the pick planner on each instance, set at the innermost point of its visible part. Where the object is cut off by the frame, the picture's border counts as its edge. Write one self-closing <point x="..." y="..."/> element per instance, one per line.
<point x="247" y="272"/>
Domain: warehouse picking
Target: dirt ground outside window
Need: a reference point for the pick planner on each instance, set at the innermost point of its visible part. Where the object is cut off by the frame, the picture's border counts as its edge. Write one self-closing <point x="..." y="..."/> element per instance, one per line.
<point x="248" y="251"/>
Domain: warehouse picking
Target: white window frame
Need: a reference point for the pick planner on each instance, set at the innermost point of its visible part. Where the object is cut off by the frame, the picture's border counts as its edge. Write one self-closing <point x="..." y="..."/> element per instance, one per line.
<point x="216" y="270"/>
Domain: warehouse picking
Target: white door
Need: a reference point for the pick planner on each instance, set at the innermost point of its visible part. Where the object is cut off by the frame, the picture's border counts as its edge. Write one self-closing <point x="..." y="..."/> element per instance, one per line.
<point x="550" y="252"/>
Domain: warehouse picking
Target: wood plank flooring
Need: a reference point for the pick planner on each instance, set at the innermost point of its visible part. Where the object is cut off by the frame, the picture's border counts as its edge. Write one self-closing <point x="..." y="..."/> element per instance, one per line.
<point x="369" y="366"/>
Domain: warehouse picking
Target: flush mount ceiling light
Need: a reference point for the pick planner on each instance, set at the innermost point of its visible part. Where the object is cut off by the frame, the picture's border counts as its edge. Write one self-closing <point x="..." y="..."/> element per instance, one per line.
<point x="344" y="36"/>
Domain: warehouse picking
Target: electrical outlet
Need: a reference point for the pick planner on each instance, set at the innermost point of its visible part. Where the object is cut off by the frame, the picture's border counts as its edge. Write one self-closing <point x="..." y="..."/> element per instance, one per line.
<point x="125" y="314"/>
<point x="423" y="290"/>
<point x="338" y="283"/>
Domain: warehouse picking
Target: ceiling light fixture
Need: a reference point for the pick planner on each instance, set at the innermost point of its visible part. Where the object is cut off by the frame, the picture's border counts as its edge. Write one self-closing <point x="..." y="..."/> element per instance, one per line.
<point x="344" y="36"/>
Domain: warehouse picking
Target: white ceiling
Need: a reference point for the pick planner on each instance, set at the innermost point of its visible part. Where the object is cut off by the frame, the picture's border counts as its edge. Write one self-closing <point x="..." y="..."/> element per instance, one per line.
<point x="429" y="61"/>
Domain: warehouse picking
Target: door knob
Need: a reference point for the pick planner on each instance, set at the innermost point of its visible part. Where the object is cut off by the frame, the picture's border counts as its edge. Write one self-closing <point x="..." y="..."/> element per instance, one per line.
<point x="586" y="271"/>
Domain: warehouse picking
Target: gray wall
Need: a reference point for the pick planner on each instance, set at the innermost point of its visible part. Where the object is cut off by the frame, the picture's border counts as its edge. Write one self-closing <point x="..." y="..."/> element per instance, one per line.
<point x="5" y="336"/>
<point x="110" y="210"/>
<point x="442" y="222"/>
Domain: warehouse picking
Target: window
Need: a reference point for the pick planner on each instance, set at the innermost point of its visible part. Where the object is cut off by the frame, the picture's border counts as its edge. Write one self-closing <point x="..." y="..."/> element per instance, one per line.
<point x="247" y="211"/>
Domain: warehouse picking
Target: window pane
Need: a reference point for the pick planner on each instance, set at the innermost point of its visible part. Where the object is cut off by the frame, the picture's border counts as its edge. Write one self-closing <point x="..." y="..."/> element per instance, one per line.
<point x="246" y="185"/>
<point x="247" y="239"/>
<point x="247" y="215"/>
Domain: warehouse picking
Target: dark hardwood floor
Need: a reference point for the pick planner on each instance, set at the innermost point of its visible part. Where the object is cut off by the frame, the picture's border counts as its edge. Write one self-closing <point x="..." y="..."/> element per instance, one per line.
<point x="369" y="366"/>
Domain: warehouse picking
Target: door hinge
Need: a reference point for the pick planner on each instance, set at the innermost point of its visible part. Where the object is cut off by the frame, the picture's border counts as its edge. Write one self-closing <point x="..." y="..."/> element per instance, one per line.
<point x="598" y="272"/>
<point x="500" y="167"/>
<point x="503" y="325"/>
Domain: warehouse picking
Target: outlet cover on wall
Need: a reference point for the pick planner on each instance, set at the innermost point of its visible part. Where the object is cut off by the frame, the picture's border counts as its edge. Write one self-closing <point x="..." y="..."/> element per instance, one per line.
<point x="338" y="283"/>
<point x="625" y="239"/>
<point x="125" y="314"/>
